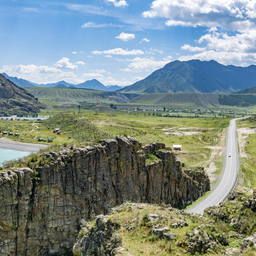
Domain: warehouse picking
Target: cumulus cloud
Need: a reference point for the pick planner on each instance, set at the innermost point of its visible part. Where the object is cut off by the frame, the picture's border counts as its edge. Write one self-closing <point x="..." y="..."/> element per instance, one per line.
<point x="226" y="14"/>
<point x="113" y="81"/>
<point x="65" y="63"/>
<point x="80" y="63"/>
<point x="226" y="58"/>
<point x="92" y="75"/>
<point x="39" y="74"/>
<point x="119" y="51"/>
<point x="120" y="3"/>
<point x="125" y="36"/>
<point x="146" y="64"/>
<point x="187" y="47"/>
<point x="225" y="48"/>
<point x="74" y="52"/>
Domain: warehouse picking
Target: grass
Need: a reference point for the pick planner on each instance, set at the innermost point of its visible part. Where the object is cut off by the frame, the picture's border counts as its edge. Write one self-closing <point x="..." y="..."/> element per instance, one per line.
<point x="152" y="159"/>
<point x="138" y="238"/>
<point x="247" y="177"/>
<point x="147" y="129"/>
<point x="73" y="96"/>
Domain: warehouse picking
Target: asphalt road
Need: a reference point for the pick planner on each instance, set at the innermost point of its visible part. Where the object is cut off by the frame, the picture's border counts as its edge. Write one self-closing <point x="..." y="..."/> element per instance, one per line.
<point x="229" y="174"/>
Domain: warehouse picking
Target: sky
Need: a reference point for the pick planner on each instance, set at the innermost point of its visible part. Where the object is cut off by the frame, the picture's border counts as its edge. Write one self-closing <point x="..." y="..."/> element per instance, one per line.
<point x="119" y="42"/>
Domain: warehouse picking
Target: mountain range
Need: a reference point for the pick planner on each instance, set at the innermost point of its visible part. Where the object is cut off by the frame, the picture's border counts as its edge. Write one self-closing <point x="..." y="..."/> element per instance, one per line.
<point x="196" y="76"/>
<point x="90" y="84"/>
<point x="177" y="76"/>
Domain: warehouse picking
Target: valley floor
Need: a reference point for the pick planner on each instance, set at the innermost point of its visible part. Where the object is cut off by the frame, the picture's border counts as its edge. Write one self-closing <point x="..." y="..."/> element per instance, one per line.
<point x="20" y="146"/>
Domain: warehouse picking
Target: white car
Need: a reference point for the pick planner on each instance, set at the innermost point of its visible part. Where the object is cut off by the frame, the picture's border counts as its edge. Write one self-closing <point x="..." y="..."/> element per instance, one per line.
<point x="229" y="154"/>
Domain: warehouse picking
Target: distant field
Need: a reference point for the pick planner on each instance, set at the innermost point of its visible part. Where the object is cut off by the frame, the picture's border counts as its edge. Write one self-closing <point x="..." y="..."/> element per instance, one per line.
<point x="247" y="177"/>
<point x="67" y="97"/>
<point x="179" y="99"/>
<point x="74" y="96"/>
<point x="197" y="136"/>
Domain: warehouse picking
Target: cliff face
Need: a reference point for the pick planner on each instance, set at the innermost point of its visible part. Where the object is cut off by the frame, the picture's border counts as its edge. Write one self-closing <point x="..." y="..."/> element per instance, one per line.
<point x="40" y="210"/>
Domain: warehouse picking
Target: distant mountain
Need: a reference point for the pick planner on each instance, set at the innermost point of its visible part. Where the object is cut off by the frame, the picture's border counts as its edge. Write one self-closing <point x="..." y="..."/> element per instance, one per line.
<point x="19" y="81"/>
<point x="58" y="84"/>
<point x="92" y="84"/>
<point x="61" y="86"/>
<point x="195" y="76"/>
<point x="251" y="90"/>
<point x="15" y="100"/>
<point x="112" y="88"/>
<point x="243" y="98"/>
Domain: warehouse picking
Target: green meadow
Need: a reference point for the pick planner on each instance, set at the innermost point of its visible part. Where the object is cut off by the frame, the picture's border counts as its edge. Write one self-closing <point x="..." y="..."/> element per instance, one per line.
<point x="195" y="135"/>
<point x="247" y="177"/>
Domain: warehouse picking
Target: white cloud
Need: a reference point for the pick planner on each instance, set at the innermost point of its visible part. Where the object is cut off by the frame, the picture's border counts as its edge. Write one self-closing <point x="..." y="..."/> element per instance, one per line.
<point x="146" y="64"/>
<point x="99" y="70"/>
<point x="39" y="74"/>
<point x="174" y="23"/>
<point x="103" y="25"/>
<point x="80" y="63"/>
<point x="225" y="58"/>
<point x="74" y="52"/>
<point x="119" y="51"/>
<point x="125" y="36"/>
<point x="241" y="42"/>
<point x="112" y="81"/>
<point x="225" y="48"/>
<point x="187" y="47"/>
<point x="236" y="48"/>
<point x="120" y="3"/>
<point x="226" y="14"/>
<point x="88" y="25"/>
<point x="145" y="40"/>
<point x="65" y="63"/>
<point x="92" y="75"/>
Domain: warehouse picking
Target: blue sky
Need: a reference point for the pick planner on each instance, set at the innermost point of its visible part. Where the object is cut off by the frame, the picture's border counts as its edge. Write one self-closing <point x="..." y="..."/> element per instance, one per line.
<point x="120" y="42"/>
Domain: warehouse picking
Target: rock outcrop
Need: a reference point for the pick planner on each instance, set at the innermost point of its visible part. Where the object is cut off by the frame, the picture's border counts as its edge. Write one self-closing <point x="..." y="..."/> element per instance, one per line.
<point x="41" y="209"/>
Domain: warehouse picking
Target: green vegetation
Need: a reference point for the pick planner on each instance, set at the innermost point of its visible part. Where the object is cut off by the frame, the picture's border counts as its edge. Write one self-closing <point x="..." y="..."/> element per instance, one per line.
<point x="195" y="135"/>
<point x="146" y="229"/>
<point x="247" y="177"/>
<point x="183" y="100"/>
<point x="69" y="96"/>
<point x="152" y="159"/>
<point x="239" y="100"/>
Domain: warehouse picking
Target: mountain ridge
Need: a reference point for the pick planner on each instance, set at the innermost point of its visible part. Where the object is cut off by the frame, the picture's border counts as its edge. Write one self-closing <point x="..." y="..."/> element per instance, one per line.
<point x="196" y="76"/>
<point x="93" y="84"/>
<point x="15" y="100"/>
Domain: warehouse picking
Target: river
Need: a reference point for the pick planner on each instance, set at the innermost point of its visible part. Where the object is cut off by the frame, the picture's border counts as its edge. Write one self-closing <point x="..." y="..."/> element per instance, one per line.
<point x="9" y="154"/>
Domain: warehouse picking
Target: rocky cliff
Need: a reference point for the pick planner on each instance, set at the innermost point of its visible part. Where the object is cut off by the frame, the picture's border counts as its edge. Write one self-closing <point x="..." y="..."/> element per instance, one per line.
<point x="41" y="209"/>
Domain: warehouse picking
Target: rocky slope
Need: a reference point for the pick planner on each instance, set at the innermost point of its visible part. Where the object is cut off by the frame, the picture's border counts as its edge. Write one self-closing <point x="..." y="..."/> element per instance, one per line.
<point x="41" y="209"/>
<point x="15" y="100"/>
<point x="196" y="76"/>
<point x="143" y="229"/>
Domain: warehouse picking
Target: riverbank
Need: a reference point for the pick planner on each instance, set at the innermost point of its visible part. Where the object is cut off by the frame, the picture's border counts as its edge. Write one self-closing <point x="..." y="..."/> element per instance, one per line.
<point x="20" y="146"/>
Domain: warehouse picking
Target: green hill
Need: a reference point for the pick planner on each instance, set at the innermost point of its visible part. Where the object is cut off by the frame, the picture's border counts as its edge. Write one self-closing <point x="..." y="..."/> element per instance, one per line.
<point x="74" y="96"/>
<point x="251" y="90"/>
<point x="15" y="100"/>
<point x="179" y="99"/>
